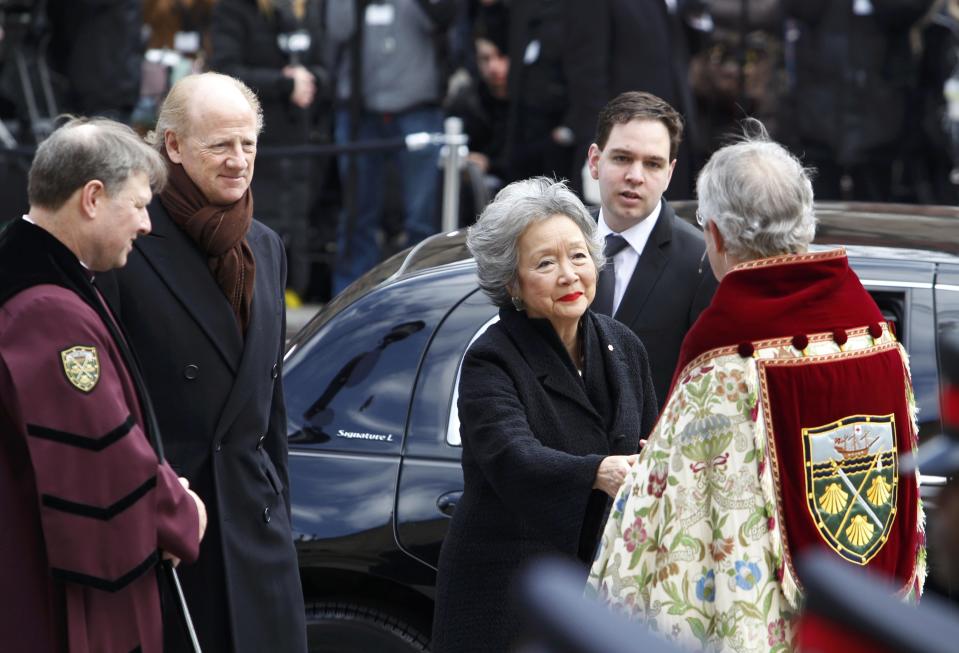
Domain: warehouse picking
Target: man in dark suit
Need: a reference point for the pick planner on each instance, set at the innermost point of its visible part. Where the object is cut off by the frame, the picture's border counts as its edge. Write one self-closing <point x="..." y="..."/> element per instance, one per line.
<point x="202" y="302"/>
<point x="633" y="45"/>
<point x="654" y="280"/>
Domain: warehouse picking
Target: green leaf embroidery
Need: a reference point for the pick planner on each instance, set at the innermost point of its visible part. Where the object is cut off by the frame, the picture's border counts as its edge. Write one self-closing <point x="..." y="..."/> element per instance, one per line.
<point x="698" y="629"/>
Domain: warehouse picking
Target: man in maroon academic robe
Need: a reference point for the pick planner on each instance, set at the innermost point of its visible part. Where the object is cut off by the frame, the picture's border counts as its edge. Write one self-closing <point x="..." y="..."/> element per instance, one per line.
<point x="89" y="507"/>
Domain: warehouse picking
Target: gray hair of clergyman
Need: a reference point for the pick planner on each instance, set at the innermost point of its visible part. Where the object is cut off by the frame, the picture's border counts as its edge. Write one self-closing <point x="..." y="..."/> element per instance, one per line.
<point x="87" y="149"/>
<point x="759" y="196"/>
<point x="494" y="239"/>
<point x="174" y="114"/>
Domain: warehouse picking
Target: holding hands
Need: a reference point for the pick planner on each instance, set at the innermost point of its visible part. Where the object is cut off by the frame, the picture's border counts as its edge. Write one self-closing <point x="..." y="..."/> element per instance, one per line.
<point x="612" y="472"/>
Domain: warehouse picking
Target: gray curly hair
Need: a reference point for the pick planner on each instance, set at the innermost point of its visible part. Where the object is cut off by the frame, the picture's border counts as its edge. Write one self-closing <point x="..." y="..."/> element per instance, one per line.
<point x="759" y="196"/>
<point x="494" y="238"/>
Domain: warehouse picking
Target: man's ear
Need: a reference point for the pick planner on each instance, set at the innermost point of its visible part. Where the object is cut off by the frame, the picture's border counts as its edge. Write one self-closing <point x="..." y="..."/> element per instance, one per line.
<point x="172" y="145"/>
<point x="719" y="243"/>
<point x="592" y="158"/>
<point x="92" y="195"/>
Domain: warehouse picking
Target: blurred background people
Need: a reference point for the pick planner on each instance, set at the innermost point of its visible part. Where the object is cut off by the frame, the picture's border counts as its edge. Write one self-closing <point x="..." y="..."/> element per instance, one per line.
<point x="276" y="48"/>
<point x="790" y="405"/>
<point x="96" y="48"/>
<point x="631" y="45"/>
<point x="854" y="67"/>
<point x="178" y="24"/>
<point x="553" y="401"/>
<point x="543" y="130"/>
<point x="737" y="69"/>
<point x="932" y="153"/>
<point x="177" y="34"/>
<point x="388" y="59"/>
<point x="483" y="103"/>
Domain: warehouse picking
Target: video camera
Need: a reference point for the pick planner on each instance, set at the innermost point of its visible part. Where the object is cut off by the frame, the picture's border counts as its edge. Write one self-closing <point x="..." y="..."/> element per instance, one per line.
<point x="27" y="101"/>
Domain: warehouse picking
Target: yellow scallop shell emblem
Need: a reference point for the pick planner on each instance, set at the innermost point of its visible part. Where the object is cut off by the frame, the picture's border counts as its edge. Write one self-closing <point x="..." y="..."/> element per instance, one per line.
<point x="878" y="493"/>
<point x="833" y="499"/>
<point x="859" y="531"/>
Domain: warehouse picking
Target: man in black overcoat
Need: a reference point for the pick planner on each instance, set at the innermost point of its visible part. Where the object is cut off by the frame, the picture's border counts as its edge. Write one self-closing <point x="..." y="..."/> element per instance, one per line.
<point x="654" y="281"/>
<point x="617" y="46"/>
<point x="202" y="300"/>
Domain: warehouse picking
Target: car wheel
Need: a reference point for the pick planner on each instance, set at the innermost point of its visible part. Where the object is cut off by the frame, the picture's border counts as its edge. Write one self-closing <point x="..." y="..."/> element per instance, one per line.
<point x="350" y="628"/>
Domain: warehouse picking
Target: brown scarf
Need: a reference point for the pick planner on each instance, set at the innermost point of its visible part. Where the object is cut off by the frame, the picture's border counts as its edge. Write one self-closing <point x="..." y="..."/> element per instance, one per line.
<point x="220" y="232"/>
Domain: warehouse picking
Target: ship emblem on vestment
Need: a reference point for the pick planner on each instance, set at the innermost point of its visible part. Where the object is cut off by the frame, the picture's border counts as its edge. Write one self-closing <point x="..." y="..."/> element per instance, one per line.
<point x="851" y="482"/>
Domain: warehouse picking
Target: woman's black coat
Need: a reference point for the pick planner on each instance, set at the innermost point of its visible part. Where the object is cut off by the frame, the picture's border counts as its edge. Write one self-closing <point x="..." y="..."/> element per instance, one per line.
<point x="532" y="441"/>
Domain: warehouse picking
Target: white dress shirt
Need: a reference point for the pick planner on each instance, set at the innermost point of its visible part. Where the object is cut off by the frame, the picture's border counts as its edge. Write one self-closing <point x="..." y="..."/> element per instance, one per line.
<point x="628" y="257"/>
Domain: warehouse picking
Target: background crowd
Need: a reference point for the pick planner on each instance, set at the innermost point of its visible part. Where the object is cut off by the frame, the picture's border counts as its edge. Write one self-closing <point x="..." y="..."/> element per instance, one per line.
<point x="863" y="90"/>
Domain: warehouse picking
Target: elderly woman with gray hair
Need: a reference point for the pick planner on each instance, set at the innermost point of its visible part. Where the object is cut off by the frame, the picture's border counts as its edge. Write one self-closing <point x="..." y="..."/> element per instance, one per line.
<point x="788" y="410"/>
<point x="553" y="401"/>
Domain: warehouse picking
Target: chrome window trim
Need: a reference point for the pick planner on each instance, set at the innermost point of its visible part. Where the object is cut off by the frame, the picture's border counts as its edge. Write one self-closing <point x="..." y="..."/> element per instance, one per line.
<point x="896" y="284"/>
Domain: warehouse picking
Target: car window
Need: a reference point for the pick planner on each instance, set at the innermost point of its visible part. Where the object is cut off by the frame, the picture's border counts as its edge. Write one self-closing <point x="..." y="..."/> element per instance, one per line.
<point x="453" y="428"/>
<point x="348" y="387"/>
<point x="903" y="290"/>
<point x="433" y="399"/>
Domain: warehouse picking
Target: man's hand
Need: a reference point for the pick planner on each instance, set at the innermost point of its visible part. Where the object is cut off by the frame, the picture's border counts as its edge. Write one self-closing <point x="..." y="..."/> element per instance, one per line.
<point x="612" y="472"/>
<point x="304" y="86"/>
<point x="201" y="513"/>
<point x="200" y="506"/>
<point x="480" y="160"/>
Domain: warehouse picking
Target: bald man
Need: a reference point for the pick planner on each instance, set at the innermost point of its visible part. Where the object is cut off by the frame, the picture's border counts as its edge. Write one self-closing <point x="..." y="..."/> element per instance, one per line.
<point x="202" y="300"/>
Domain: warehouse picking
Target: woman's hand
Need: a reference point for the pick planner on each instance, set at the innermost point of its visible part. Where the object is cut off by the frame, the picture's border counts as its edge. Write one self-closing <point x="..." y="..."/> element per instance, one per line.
<point x="612" y="472"/>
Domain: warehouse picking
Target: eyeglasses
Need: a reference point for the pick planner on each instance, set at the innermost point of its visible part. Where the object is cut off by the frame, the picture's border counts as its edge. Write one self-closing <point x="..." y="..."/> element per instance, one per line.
<point x="700" y="219"/>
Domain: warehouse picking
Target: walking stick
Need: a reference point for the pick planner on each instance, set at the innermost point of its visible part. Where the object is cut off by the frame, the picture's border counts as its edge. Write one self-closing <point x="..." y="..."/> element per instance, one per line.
<point x="181" y="604"/>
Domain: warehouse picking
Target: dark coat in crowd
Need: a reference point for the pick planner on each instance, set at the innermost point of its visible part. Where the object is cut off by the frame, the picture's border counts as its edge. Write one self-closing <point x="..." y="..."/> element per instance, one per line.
<point x="96" y="48"/>
<point x="219" y="398"/>
<point x="485" y="120"/>
<point x="540" y="51"/>
<point x="853" y="74"/>
<point x="631" y="45"/>
<point x="534" y="433"/>
<point x="245" y="44"/>
<point x="670" y="287"/>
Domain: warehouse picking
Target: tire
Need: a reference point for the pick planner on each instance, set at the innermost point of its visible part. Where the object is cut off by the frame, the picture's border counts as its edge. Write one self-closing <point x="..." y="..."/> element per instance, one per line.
<point x="339" y="627"/>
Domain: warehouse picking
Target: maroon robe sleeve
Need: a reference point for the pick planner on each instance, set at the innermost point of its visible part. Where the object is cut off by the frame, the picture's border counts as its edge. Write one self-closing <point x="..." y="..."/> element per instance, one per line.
<point x="106" y="503"/>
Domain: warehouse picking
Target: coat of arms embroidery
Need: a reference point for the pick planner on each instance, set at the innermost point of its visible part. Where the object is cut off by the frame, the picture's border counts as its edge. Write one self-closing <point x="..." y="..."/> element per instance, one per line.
<point x="81" y="365"/>
<point x="851" y="483"/>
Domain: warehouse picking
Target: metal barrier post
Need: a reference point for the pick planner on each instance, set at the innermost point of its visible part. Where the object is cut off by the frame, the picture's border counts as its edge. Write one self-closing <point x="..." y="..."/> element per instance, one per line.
<point x="453" y="157"/>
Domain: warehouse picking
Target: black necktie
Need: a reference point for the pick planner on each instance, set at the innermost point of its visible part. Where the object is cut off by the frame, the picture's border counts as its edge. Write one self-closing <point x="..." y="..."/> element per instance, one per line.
<point x="606" y="287"/>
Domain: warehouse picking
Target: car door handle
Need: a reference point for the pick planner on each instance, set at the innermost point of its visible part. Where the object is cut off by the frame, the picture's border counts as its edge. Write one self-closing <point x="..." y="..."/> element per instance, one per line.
<point x="447" y="502"/>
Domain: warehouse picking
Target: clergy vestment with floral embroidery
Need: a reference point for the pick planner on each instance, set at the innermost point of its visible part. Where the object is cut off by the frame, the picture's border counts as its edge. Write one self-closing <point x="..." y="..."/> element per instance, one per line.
<point x="790" y="408"/>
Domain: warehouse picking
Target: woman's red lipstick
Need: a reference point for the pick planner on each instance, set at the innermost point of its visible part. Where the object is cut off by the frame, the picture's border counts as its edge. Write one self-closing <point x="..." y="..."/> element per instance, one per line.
<point x="572" y="297"/>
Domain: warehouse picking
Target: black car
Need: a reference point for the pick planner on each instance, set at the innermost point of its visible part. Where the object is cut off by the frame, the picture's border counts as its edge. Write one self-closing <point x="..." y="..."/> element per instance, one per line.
<point x="370" y="387"/>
